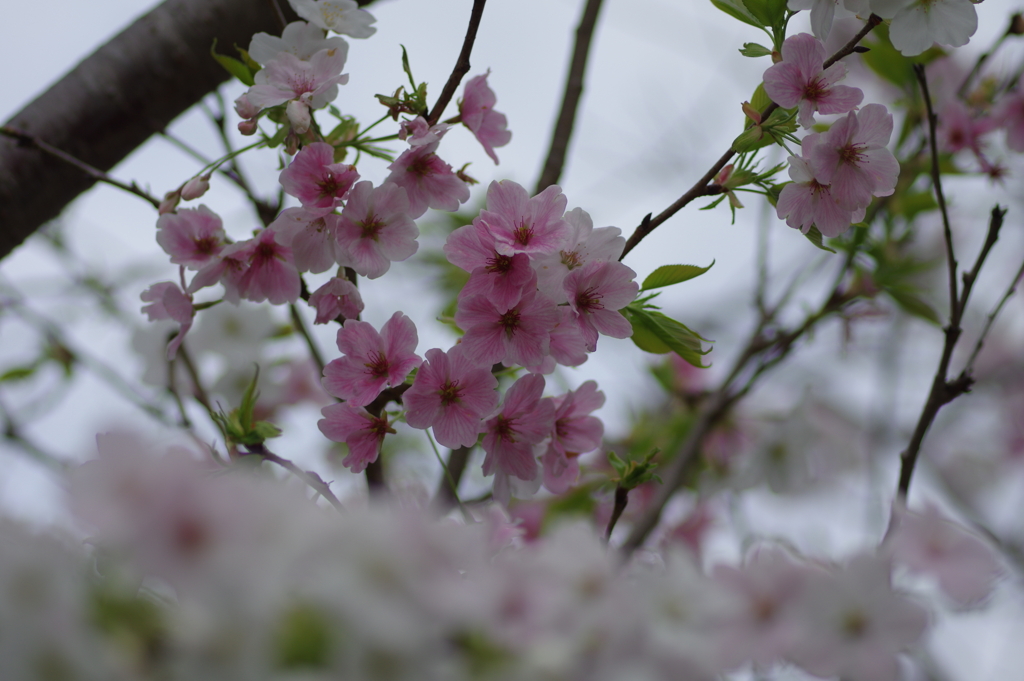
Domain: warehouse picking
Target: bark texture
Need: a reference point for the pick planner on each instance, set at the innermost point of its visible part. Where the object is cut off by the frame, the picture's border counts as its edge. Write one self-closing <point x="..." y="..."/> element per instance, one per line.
<point x="115" y="99"/>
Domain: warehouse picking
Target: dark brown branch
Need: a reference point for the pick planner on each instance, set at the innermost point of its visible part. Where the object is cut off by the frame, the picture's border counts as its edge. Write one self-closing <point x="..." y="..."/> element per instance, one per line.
<point x="570" y="100"/>
<point x="447" y="494"/>
<point x="621" y="499"/>
<point x="461" y="65"/>
<point x="309" y="477"/>
<point x="375" y="479"/>
<point x="700" y="188"/>
<point x="944" y="391"/>
<point x="115" y="99"/>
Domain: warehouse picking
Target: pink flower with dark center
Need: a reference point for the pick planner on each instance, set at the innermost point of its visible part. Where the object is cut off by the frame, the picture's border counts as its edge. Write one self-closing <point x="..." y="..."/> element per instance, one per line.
<point x="500" y="277"/>
<point x="228" y="269"/>
<point x="575" y="430"/>
<point x="596" y="292"/>
<point x="167" y="301"/>
<point x="560" y="470"/>
<point x="375" y="228"/>
<point x="357" y="428"/>
<point x="852" y="157"/>
<point x="313" y="83"/>
<point x="301" y="39"/>
<point x="452" y="394"/>
<point x="525" y="420"/>
<point x="271" y="275"/>
<point x="417" y="132"/>
<point x="799" y="81"/>
<point x="338" y="297"/>
<point x="516" y="335"/>
<point x="958" y="129"/>
<point x="583" y="244"/>
<point x="568" y="347"/>
<point x="312" y="234"/>
<point x="477" y="112"/>
<point x="193" y="237"/>
<point x="428" y="181"/>
<point x="805" y="202"/>
<point x="372" y="360"/>
<point x="315" y="179"/>
<point x="521" y="224"/>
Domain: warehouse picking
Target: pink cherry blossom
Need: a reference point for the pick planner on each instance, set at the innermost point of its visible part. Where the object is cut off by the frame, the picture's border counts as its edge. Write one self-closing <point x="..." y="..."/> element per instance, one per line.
<point x="228" y="269"/>
<point x="338" y="297"/>
<point x="417" y="132"/>
<point x="502" y="278"/>
<point x="357" y="428"/>
<point x="852" y="157"/>
<point x="271" y="274"/>
<point x="167" y="301"/>
<point x="568" y="346"/>
<point x="372" y="360"/>
<point x="525" y="420"/>
<point x="429" y="181"/>
<point x="560" y="471"/>
<point x="583" y="244"/>
<point x="193" y="237"/>
<point x="452" y="394"/>
<point x="823" y="12"/>
<point x="959" y="130"/>
<point x="196" y="187"/>
<point x="921" y="23"/>
<point x="315" y="179"/>
<point x="1009" y="114"/>
<point x="852" y="624"/>
<point x="340" y="16"/>
<point x="376" y="229"/>
<point x="521" y="224"/>
<point x="596" y="292"/>
<point x="799" y="81"/>
<point x="301" y="39"/>
<point x="312" y="83"/>
<point x="311" y="234"/>
<point x="516" y="335"/>
<point x="965" y="567"/>
<point x="805" y="202"/>
<point x="478" y="114"/>
<point x="575" y="430"/>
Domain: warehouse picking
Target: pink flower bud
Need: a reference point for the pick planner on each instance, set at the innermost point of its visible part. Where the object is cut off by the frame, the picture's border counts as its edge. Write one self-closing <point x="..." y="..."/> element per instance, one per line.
<point x="247" y="127"/>
<point x="170" y="202"/>
<point x="246" y="109"/>
<point x="298" y="116"/>
<point x="195" y="187"/>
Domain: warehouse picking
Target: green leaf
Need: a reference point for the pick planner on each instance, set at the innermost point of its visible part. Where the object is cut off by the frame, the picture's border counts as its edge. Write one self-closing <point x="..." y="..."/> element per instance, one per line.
<point x="737" y="10"/>
<point x="405" y="67"/>
<point x="304" y="640"/>
<point x="232" y="65"/>
<point x="755" y="50"/>
<point x="667" y="275"/>
<point x="19" y="373"/>
<point x="913" y="304"/>
<point x="815" y="237"/>
<point x="768" y="12"/>
<point x="657" y="333"/>
<point x="759" y="101"/>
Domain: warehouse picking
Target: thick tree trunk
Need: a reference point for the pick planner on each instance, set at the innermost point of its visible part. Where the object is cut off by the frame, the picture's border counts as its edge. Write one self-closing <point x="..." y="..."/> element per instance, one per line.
<point x="111" y="103"/>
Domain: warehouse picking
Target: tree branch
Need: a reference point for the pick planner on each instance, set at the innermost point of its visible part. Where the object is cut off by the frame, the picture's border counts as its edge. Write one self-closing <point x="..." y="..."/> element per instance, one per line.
<point x="461" y="65"/>
<point x="570" y="100"/>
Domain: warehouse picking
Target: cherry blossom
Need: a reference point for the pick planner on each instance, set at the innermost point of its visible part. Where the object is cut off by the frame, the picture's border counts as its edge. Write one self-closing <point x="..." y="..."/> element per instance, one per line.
<point x="596" y="292"/>
<point x="338" y="297"/>
<point x="372" y="360"/>
<point x="502" y="278"/>
<point x="228" y="269"/>
<point x="521" y="224"/>
<point x="1010" y="115"/>
<point x="271" y="274"/>
<point x="375" y="228"/>
<point x="452" y="394"/>
<point x="167" y="301"/>
<point x="311" y="234"/>
<point x="920" y="23"/>
<point x="357" y="428"/>
<point x="193" y="237"/>
<point x="823" y="12"/>
<point x="299" y="38"/>
<point x="304" y="84"/>
<point x="478" y="114"/>
<point x="315" y="179"/>
<point x="429" y="181"/>
<point x="852" y="157"/>
<point x="583" y="244"/>
<point x="340" y="16"/>
<point x="927" y="542"/>
<point x="417" y="132"/>
<point x="799" y="81"/>
<point x="805" y="202"/>
<point x="516" y="335"/>
<point x="525" y="420"/>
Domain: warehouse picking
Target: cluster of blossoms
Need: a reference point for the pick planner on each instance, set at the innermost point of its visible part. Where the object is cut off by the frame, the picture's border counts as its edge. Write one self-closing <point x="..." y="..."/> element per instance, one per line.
<point x="246" y="579"/>
<point x="841" y="170"/>
<point x="916" y="24"/>
<point x="543" y="284"/>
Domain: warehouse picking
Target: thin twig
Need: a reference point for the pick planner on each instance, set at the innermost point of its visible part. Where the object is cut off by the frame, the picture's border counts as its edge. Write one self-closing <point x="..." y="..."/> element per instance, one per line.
<point x="954" y="320"/>
<point x="621" y="499"/>
<point x="198" y="391"/>
<point x="447" y="494"/>
<point x="461" y="65"/>
<point x="309" y="477"/>
<point x="12" y="433"/>
<point x="452" y="484"/>
<point x="91" y="171"/>
<point x="278" y="13"/>
<point x="700" y="188"/>
<point x="570" y="100"/>
<point x="375" y="478"/>
<point x="300" y="326"/>
<point x="969" y="368"/>
<point x="944" y="391"/>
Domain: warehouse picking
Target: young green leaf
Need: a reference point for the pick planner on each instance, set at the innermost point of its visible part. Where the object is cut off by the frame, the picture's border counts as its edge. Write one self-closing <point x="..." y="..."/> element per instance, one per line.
<point x="755" y="50"/>
<point x="657" y="333"/>
<point x="736" y="10"/>
<point x="236" y="68"/>
<point x="667" y="275"/>
<point x="815" y="237"/>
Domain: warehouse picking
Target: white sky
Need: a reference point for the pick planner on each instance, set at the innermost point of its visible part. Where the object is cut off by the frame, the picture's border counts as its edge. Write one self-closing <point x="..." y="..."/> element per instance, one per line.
<point x="661" y="104"/>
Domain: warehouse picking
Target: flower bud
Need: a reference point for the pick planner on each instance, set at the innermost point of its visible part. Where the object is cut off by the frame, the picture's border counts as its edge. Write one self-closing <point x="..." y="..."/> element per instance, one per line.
<point x="246" y="109"/>
<point x="170" y="202"/>
<point x="247" y="127"/>
<point x="195" y="187"/>
<point x="298" y="116"/>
